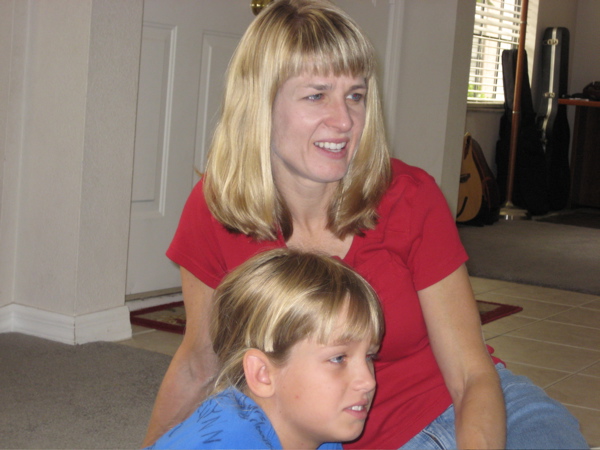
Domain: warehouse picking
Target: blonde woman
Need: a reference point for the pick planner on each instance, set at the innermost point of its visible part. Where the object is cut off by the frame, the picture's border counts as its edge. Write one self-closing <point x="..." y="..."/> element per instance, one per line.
<point x="299" y="160"/>
<point x="295" y="335"/>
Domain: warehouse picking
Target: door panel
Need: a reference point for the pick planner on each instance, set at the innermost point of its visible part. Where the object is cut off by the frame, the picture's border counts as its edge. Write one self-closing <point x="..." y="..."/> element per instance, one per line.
<point x="186" y="45"/>
<point x="217" y="49"/>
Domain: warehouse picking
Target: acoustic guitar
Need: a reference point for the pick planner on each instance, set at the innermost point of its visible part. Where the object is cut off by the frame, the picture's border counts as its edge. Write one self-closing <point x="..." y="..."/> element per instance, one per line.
<point x="470" y="190"/>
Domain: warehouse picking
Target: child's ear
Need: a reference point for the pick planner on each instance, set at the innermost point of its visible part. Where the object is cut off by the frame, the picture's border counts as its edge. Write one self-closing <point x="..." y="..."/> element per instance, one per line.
<point x="258" y="371"/>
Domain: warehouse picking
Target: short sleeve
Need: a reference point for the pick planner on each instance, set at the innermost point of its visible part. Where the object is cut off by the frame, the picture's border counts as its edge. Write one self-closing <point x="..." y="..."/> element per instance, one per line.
<point x="437" y="250"/>
<point x="205" y="247"/>
<point x="195" y="245"/>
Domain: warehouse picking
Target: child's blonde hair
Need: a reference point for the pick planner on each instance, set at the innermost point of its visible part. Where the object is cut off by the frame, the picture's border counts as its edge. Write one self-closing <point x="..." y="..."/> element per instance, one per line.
<point x="289" y="38"/>
<point x="281" y="297"/>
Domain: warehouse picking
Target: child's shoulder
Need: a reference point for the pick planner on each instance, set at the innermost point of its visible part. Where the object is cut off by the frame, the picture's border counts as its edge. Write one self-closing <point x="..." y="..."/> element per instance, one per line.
<point x="229" y="419"/>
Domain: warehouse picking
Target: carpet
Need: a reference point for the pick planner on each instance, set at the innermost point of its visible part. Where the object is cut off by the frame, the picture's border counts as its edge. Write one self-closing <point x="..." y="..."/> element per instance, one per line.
<point x="90" y="396"/>
<point x="536" y="253"/>
<point x="587" y="218"/>
<point x="171" y="317"/>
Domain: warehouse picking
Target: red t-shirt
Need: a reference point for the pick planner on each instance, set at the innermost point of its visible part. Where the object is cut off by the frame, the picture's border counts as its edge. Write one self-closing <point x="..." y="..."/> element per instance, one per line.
<point x="414" y="245"/>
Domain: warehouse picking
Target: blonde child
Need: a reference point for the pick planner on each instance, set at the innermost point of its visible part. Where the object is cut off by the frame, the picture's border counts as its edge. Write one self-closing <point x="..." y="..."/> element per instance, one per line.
<point x="295" y="335"/>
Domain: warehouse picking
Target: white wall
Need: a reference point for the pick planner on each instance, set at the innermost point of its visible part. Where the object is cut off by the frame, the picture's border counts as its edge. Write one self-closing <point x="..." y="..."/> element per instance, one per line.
<point x="68" y="146"/>
<point x="586" y="53"/>
<point x="433" y="81"/>
<point x="6" y="17"/>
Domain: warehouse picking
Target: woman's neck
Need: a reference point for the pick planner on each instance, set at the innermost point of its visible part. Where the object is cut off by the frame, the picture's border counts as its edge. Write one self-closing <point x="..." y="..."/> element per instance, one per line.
<point x="308" y="206"/>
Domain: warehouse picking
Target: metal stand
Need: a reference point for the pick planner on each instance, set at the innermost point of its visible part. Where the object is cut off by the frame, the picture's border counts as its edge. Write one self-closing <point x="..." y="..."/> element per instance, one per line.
<point x="511" y="212"/>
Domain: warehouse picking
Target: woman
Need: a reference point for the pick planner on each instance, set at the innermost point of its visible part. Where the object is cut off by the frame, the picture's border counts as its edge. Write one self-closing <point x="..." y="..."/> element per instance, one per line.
<point x="299" y="159"/>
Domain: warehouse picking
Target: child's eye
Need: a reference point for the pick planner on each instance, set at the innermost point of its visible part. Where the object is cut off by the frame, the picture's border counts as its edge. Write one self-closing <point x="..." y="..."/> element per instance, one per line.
<point x="338" y="359"/>
<point x="373" y="357"/>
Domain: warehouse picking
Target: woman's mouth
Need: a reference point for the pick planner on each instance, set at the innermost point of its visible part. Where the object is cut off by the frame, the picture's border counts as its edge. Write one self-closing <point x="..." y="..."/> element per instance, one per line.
<point x="331" y="146"/>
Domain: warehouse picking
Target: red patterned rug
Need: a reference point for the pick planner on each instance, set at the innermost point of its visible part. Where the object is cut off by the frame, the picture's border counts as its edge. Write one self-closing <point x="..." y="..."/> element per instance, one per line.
<point x="490" y="311"/>
<point x="171" y="317"/>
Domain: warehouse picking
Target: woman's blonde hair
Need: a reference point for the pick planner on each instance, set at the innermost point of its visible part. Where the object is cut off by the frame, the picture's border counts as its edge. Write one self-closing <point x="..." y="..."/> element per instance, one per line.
<point x="281" y="297"/>
<point x="288" y="38"/>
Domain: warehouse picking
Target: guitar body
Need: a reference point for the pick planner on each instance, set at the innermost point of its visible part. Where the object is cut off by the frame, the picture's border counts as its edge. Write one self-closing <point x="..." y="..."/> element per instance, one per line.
<point x="470" y="190"/>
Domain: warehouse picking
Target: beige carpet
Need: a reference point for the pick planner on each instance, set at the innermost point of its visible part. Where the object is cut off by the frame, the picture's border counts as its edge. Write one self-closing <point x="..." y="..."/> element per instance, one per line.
<point x="538" y="253"/>
<point x="92" y="396"/>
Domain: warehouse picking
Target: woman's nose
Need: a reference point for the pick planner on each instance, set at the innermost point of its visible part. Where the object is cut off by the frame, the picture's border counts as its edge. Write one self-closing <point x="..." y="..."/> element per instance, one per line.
<point x="339" y="116"/>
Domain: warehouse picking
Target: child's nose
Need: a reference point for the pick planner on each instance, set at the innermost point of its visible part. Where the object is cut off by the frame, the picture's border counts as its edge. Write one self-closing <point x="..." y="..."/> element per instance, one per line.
<point x="365" y="379"/>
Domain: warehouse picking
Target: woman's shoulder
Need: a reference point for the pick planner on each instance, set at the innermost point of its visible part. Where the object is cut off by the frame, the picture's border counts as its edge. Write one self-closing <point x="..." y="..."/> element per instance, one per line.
<point x="408" y="181"/>
<point x="403" y="173"/>
<point x="196" y="207"/>
<point x="410" y="196"/>
<point x="197" y="195"/>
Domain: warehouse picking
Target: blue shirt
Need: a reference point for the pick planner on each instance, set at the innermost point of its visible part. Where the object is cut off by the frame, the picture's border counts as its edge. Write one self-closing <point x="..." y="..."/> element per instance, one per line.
<point x="228" y="420"/>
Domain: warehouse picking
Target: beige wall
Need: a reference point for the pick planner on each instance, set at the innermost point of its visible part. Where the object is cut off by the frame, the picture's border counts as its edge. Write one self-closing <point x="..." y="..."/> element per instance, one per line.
<point x="433" y="75"/>
<point x="586" y="60"/>
<point x="70" y="105"/>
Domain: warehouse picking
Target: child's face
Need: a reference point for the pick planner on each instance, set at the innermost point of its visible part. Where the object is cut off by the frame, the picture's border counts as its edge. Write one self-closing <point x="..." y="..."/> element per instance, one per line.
<point x="323" y="393"/>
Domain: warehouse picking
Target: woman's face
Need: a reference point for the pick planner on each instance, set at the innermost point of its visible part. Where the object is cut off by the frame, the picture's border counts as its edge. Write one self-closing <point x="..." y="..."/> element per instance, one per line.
<point x="317" y="125"/>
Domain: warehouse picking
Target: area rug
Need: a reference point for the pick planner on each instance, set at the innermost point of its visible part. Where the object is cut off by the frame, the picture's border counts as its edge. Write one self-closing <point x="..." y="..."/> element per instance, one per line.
<point x="536" y="253"/>
<point x="490" y="311"/>
<point x="171" y="317"/>
<point x="168" y="317"/>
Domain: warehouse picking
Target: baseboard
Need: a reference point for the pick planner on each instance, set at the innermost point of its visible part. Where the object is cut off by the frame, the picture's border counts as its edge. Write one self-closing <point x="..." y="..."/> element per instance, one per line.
<point x="148" y="302"/>
<point x="109" y="325"/>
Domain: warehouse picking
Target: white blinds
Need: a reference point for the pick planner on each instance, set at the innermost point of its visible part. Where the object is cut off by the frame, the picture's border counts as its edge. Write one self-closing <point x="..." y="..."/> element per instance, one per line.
<point x="496" y="28"/>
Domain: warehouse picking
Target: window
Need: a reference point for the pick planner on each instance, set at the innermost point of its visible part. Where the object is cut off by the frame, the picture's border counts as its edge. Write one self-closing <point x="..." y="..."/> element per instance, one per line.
<point x="496" y="29"/>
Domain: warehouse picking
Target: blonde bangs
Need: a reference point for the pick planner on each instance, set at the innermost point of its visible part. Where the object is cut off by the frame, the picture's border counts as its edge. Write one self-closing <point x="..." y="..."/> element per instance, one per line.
<point x="322" y="44"/>
<point x="359" y="312"/>
<point x="309" y="297"/>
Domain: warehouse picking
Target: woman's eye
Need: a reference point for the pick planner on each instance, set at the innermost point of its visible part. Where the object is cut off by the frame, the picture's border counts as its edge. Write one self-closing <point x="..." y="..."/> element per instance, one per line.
<point x="356" y="97"/>
<point x="315" y="97"/>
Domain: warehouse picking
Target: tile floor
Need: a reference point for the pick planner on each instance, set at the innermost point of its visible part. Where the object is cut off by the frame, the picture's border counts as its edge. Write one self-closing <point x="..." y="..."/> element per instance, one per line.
<point x="555" y="341"/>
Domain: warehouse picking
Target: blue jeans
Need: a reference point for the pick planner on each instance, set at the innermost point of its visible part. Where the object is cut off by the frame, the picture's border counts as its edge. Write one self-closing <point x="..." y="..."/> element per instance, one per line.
<point x="534" y="420"/>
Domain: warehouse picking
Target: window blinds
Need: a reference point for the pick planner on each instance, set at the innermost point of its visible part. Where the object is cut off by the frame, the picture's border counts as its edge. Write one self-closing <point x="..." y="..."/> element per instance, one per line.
<point x="496" y="29"/>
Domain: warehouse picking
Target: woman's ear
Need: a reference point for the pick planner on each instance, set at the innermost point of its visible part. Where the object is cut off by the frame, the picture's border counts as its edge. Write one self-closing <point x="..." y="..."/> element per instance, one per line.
<point x="258" y="370"/>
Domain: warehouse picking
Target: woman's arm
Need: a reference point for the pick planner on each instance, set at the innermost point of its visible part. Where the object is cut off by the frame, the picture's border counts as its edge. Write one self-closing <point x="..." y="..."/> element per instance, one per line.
<point x="194" y="363"/>
<point x="454" y="330"/>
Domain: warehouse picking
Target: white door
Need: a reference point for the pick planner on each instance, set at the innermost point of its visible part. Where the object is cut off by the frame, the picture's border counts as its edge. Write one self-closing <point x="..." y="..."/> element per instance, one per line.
<point x="186" y="46"/>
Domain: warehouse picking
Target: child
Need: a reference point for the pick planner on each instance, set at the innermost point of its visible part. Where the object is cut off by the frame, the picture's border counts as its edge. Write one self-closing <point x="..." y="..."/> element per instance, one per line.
<point x="295" y="335"/>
